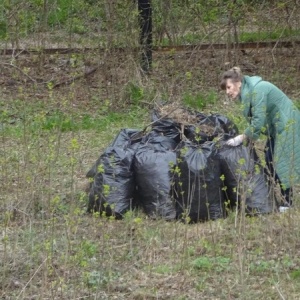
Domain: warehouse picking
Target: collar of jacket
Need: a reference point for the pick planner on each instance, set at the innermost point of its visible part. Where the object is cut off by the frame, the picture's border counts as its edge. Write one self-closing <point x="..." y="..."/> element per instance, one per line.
<point x="245" y="97"/>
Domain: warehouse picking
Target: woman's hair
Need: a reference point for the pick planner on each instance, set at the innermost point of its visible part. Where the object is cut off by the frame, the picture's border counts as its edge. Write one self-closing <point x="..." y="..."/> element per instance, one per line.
<point x="235" y="74"/>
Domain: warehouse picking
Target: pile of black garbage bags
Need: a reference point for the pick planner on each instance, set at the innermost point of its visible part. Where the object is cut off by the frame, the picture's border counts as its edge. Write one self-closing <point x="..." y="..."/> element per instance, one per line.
<point x="178" y="171"/>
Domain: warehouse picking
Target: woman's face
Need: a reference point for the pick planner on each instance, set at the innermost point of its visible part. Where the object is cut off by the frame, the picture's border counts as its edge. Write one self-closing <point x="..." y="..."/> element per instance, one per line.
<point x="233" y="89"/>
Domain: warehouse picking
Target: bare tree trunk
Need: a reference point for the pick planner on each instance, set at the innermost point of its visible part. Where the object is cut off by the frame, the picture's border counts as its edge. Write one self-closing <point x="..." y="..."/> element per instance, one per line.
<point x="233" y="40"/>
<point x="145" y="21"/>
<point x="109" y="11"/>
<point x="43" y="31"/>
<point x="13" y="23"/>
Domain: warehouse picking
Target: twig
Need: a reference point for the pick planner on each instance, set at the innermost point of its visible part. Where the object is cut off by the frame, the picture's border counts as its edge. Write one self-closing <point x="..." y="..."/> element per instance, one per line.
<point x="288" y="21"/>
<point x="19" y="69"/>
<point x="136" y="135"/>
<point x="162" y="117"/>
<point x="25" y="286"/>
<point x="69" y="81"/>
<point x="14" y="56"/>
<point x="279" y="292"/>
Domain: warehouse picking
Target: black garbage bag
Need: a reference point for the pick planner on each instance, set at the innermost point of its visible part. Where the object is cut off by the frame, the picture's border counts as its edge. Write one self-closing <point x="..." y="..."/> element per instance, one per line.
<point x="198" y="184"/>
<point x="113" y="188"/>
<point x="244" y="179"/>
<point x="209" y="127"/>
<point x="166" y="126"/>
<point x="125" y="138"/>
<point x="158" y="142"/>
<point x="153" y="164"/>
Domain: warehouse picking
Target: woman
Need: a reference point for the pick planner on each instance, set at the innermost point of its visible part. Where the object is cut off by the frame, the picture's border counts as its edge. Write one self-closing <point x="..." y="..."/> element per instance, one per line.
<point x="269" y="111"/>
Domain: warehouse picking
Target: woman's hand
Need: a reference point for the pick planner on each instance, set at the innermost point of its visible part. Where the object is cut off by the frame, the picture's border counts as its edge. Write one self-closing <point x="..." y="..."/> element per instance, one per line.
<point x="236" y="141"/>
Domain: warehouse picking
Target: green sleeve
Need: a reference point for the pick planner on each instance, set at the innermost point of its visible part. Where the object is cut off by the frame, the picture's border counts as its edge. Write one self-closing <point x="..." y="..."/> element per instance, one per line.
<point x="258" y="113"/>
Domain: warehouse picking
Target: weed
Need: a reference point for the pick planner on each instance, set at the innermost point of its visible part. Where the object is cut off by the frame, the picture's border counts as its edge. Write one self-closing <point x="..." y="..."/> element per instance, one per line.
<point x="205" y="263"/>
<point x="295" y="274"/>
<point x="200" y="101"/>
<point x="135" y="93"/>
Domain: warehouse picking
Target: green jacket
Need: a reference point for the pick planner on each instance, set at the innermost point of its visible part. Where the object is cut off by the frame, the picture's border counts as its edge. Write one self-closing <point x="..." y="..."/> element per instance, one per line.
<point x="269" y="111"/>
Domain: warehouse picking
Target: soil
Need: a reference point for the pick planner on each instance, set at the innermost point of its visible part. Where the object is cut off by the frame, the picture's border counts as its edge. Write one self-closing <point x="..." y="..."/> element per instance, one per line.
<point x="108" y="76"/>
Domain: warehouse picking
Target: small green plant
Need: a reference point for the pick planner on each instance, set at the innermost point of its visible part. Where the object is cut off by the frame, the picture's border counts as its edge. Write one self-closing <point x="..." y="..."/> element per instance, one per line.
<point x="203" y="263"/>
<point x="261" y="266"/>
<point x="295" y="274"/>
<point x="206" y="263"/>
<point x="84" y="254"/>
<point x="134" y="93"/>
<point x="199" y="101"/>
<point x="194" y="101"/>
<point x="93" y="279"/>
<point x="76" y="25"/>
<point x="162" y="269"/>
<point x="3" y="30"/>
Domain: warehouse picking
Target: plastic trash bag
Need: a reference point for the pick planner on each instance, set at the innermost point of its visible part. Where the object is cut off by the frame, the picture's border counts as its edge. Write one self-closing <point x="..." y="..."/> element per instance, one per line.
<point x="244" y="179"/>
<point x="158" y="141"/>
<point x="153" y="165"/>
<point x="113" y="188"/>
<point x="166" y="126"/>
<point x="209" y="127"/>
<point x="199" y="187"/>
<point x="125" y="138"/>
<point x="229" y="129"/>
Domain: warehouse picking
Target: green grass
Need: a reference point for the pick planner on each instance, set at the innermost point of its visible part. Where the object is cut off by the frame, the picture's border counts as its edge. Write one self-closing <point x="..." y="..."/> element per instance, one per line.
<point x="194" y="38"/>
<point x="36" y="119"/>
<point x="51" y="247"/>
<point x="268" y="35"/>
<point x="200" y="101"/>
<point x="81" y="255"/>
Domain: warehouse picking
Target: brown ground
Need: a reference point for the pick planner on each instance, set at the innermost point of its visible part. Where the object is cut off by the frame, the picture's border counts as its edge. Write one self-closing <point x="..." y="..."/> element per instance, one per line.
<point x="173" y="73"/>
